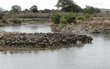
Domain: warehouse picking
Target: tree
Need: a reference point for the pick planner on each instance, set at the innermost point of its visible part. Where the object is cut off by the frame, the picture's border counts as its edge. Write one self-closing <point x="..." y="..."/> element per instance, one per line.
<point x="72" y="8"/>
<point x="46" y="11"/>
<point x="25" y="10"/>
<point x="16" y="8"/>
<point x="88" y="9"/>
<point x="91" y="10"/>
<point x="97" y="10"/>
<point x="64" y="3"/>
<point x="34" y="8"/>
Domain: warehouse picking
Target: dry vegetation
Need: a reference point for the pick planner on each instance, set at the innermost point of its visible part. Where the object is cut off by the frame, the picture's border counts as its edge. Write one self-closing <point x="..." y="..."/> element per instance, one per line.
<point x="100" y="20"/>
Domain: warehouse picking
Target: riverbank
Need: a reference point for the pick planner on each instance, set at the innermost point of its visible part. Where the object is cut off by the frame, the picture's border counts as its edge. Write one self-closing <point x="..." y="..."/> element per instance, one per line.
<point x="91" y="25"/>
<point x="95" y="26"/>
<point x="95" y="23"/>
<point x="9" y="23"/>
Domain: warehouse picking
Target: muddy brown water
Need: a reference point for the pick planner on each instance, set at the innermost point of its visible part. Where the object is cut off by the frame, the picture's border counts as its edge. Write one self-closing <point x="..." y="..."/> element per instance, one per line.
<point x="90" y="56"/>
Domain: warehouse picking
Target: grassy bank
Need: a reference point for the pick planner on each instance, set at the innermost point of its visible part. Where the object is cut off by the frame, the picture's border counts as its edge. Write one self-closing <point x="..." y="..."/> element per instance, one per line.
<point x="91" y="22"/>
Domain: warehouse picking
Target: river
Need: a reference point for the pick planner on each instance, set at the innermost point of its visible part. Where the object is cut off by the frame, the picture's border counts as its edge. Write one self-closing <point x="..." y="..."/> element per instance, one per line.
<point x="90" y="56"/>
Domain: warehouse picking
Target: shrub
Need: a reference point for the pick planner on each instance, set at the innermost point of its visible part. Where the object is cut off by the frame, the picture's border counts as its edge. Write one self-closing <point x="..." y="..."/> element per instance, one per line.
<point x="24" y="11"/>
<point x="4" y="21"/>
<point x="62" y="21"/>
<point x="95" y="15"/>
<point x="80" y="18"/>
<point x="1" y="15"/>
<point x="87" y="15"/>
<point x="109" y="18"/>
<point x="56" y="18"/>
<point x="15" y="21"/>
<point x="1" y="25"/>
<point x="69" y="18"/>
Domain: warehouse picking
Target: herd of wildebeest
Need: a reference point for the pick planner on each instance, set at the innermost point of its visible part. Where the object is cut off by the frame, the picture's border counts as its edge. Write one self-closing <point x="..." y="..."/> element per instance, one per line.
<point x="42" y="40"/>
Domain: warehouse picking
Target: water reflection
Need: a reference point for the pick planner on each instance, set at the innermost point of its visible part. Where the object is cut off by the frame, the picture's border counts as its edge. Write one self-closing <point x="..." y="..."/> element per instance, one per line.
<point x="4" y="52"/>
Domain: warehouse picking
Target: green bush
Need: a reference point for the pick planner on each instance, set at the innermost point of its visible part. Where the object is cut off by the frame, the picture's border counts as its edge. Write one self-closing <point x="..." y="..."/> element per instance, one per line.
<point x="62" y="21"/>
<point x="69" y="18"/>
<point x="4" y="21"/>
<point x="1" y="25"/>
<point x="16" y="21"/>
<point x="55" y="18"/>
<point x="95" y="15"/>
<point x="1" y="16"/>
<point x="87" y="15"/>
<point x="24" y="11"/>
<point x="80" y="18"/>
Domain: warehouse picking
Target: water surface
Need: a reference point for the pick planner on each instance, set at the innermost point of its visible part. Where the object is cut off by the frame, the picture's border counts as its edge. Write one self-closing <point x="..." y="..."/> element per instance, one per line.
<point x="28" y="27"/>
<point x="90" y="56"/>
